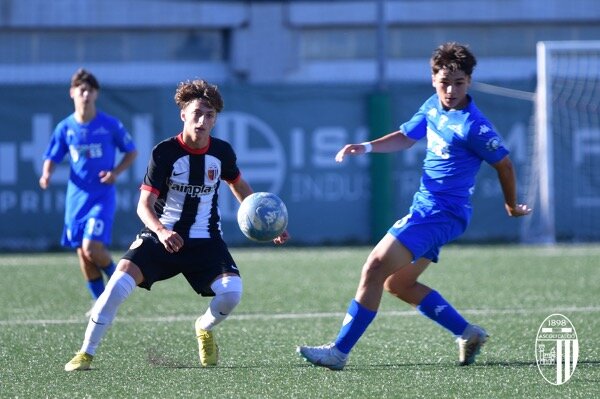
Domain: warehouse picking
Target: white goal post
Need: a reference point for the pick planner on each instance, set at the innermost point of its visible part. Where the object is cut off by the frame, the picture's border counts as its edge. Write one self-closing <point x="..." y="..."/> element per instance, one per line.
<point x="564" y="178"/>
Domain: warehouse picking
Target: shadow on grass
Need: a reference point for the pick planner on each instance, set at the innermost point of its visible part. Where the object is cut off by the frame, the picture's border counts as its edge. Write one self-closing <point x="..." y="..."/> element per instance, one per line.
<point x="440" y="365"/>
<point x="159" y="360"/>
<point x="156" y="359"/>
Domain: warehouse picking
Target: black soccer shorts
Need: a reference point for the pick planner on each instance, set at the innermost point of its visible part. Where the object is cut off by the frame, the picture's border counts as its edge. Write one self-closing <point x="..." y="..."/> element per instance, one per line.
<point x="200" y="260"/>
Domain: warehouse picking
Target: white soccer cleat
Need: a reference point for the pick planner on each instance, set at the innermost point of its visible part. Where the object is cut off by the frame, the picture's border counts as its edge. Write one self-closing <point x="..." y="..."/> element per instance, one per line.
<point x="325" y="356"/>
<point x="470" y="343"/>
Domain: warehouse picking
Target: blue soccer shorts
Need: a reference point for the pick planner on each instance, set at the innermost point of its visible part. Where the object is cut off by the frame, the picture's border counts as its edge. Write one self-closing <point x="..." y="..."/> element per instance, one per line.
<point x="95" y="226"/>
<point x="424" y="232"/>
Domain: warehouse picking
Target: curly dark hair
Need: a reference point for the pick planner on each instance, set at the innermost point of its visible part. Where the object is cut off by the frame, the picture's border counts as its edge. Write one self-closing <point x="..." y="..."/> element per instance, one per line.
<point x="82" y="76"/>
<point x="198" y="89"/>
<point x="453" y="56"/>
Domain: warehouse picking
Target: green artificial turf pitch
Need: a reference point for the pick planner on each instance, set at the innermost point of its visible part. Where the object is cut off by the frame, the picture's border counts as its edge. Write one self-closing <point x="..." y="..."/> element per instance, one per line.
<point x="295" y="296"/>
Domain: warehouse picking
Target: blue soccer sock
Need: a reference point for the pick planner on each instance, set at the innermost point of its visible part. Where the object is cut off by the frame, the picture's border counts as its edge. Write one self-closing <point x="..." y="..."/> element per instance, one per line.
<point x="110" y="269"/>
<point x="355" y="323"/>
<point x="439" y="310"/>
<point x="96" y="287"/>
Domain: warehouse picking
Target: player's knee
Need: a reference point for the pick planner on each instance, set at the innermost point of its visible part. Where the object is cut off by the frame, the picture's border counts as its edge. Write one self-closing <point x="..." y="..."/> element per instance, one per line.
<point x="95" y="252"/>
<point x="87" y="251"/>
<point x="388" y="287"/>
<point x="399" y="288"/>
<point x="229" y="290"/>
<point x="393" y="288"/>
<point x="228" y="283"/>
<point x="228" y="293"/>
<point x="373" y="271"/>
<point x="228" y="301"/>
<point x="92" y="251"/>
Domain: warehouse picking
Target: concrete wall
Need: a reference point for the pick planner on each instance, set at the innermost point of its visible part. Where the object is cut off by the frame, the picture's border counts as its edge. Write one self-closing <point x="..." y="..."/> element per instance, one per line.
<point x="265" y="35"/>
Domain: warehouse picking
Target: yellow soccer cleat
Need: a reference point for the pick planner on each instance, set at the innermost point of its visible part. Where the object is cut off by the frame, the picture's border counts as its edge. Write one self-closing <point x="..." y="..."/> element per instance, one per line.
<point x="207" y="348"/>
<point x="81" y="361"/>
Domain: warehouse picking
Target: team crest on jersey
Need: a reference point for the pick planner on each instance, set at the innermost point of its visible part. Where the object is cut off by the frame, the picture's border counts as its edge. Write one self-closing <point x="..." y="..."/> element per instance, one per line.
<point x="493" y="144"/>
<point x="212" y="172"/>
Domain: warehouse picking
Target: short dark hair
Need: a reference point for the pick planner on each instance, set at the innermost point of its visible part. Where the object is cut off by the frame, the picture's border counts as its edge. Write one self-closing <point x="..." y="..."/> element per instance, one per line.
<point x="198" y="89"/>
<point x="82" y="76"/>
<point x="453" y="56"/>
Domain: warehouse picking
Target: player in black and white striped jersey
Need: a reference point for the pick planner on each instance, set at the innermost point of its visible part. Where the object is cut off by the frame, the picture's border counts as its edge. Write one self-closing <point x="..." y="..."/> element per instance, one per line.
<point x="179" y="207"/>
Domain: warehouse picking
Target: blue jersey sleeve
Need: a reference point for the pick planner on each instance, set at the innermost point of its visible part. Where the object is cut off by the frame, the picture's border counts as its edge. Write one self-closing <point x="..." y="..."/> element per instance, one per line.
<point x="58" y="147"/>
<point x="487" y="143"/>
<point x="416" y="127"/>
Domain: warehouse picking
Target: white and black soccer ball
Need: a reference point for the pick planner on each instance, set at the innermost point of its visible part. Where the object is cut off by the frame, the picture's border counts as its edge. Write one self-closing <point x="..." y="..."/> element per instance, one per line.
<point x="262" y="216"/>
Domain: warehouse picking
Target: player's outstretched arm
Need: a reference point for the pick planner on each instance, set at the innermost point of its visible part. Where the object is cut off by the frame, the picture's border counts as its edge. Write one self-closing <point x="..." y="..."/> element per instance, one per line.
<point x="506" y="176"/>
<point x="351" y="149"/>
<point x="391" y="142"/>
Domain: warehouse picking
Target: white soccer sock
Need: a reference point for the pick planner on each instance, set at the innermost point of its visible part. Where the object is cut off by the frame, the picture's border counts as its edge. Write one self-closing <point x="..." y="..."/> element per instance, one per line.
<point x="118" y="288"/>
<point x="228" y="293"/>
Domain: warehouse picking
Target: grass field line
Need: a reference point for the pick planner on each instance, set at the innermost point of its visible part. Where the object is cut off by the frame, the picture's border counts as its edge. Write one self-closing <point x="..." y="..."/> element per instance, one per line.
<point x="310" y="315"/>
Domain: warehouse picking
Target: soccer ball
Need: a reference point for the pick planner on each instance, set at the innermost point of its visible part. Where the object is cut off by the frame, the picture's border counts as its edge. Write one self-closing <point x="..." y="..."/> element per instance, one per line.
<point x="262" y="216"/>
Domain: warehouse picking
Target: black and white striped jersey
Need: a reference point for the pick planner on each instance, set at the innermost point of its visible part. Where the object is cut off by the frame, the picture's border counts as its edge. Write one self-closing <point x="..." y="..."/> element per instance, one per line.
<point x="186" y="181"/>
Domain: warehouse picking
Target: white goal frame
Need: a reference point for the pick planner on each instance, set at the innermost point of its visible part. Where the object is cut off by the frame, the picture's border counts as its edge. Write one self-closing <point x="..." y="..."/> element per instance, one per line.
<point x="543" y="145"/>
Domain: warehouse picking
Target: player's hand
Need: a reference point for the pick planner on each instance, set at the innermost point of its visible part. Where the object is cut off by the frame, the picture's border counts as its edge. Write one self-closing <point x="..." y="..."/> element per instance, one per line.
<point x="351" y="149"/>
<point x="170" y="239"/>
<point x="282" y="239"/>
<point x="44" y="182"/>
<point x="517" y="210"/>
<point x="107" y="177"/>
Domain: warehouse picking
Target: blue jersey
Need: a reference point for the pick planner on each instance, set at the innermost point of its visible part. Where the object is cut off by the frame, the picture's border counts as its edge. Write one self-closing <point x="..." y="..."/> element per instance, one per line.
<point x="457" y="142"/>
<point x="92" y="147"/>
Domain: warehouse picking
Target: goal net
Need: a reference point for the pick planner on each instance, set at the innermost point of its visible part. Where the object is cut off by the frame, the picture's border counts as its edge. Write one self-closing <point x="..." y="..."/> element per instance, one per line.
<point x="564" y="180"/>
